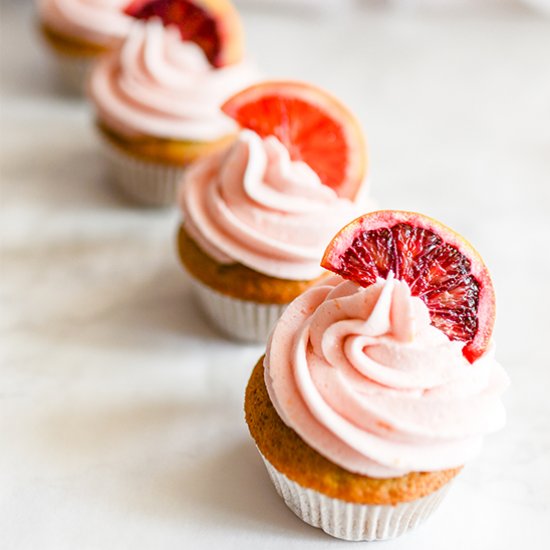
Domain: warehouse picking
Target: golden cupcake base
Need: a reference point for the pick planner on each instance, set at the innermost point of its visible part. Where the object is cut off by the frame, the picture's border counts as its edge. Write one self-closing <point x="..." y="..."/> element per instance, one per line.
<point x="283" y="448"/>
<point x="237" y="280"/>
<point x="148" y="170"/>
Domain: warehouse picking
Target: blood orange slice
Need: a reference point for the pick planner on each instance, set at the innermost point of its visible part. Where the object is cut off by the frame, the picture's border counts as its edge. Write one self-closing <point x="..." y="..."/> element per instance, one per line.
<point x="440" y="267"/>
<point x="314" y="126"/>
<point x="212" y="24"/>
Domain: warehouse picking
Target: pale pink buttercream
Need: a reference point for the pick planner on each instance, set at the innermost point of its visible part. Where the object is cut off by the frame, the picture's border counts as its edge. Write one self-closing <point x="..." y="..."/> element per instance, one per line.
<point x="158" y="85"/>
<point x="101" y="22"/>
<point x="255" y="206"/>
<point x="365" y="379"/>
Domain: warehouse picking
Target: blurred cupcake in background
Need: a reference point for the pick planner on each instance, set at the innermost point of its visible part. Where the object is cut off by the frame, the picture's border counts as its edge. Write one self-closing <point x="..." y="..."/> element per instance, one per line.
<point x="78" y="31"/>
<point x="158" y="96"/>
<point x="257" y="217"/>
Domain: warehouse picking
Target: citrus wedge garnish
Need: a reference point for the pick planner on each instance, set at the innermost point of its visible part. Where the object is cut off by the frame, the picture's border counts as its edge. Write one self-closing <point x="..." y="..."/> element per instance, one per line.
<point x="440" y="267"/>
<point x="314" y="126"/>
<point x="212" y="24"/>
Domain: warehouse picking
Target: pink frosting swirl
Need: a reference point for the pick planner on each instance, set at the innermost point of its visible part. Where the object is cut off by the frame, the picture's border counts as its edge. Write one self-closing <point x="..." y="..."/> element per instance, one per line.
<point x="158" y="85"/>
<point x="253" y="205"/>
<point x="365" y="379"/>
<point x="101" y="22"/>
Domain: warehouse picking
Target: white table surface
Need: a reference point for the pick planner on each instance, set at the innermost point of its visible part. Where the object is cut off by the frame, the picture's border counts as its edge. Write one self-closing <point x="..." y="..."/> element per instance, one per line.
<point x="121" y="415"/>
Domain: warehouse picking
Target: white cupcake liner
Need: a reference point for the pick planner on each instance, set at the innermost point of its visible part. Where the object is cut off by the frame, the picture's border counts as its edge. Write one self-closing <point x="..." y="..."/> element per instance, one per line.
<point x="144" y="182"/>
<point x="349" y="521"/>
<point x="239" y="319"/>
<point x="72" y="71"/>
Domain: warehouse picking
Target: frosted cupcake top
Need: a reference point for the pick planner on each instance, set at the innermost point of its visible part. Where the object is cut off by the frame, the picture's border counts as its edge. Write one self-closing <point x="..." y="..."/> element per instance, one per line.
<point x="364" y="379"/>
<point x="255" y="206"/>
<point x="101" y="22"/>
<point x="158" y="85"/>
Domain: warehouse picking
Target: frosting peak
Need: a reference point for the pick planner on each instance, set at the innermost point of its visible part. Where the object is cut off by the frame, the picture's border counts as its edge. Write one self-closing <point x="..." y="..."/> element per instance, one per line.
<point x="254" y="205"/>
<point x="276" y="181"/>
<point x="365" y="379"/>
<point x="156" y="84"/>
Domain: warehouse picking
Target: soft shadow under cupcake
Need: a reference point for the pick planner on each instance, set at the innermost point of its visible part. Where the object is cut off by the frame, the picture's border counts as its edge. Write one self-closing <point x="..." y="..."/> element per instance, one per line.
<point x="165" y="459"/>
<point x="231" y="490"/>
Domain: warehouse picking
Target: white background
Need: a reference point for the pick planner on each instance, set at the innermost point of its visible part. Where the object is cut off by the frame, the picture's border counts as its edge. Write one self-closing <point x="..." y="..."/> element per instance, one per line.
<point x="121" y="422"/>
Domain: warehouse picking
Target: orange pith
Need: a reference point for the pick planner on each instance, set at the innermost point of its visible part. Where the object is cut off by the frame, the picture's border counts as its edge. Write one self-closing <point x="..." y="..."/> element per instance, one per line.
<point x="440" y="267"/>
<point x="314" y="127"/>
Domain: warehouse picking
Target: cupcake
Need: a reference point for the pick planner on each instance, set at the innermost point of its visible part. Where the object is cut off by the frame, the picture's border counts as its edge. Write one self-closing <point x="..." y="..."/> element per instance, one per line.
<point x="256" y="216"/>
<point x="78" y="31"/>
<point x="379" y="383"/>
<point x="158" y="96"/>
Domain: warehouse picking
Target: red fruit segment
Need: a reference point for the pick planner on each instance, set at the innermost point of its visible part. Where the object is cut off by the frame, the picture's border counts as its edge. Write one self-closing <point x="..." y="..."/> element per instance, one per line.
<point x="440" y="267"/>
<point x="314" y="127"/>
<point x="212" y="24"/>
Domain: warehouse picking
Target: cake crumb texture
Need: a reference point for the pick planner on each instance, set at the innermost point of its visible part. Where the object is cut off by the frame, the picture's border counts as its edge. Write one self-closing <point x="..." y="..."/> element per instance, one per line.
<point x="237" y="280"/>
<point x="290" y="455"/>
<point x="70" y="46"/>
<point x="163" y="150"/>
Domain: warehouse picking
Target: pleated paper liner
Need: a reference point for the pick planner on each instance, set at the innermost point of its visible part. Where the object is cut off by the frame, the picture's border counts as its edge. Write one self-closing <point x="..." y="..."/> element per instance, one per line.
<point x="144" y="182"/>
<point x="350" y="521"/>
<point x="238" y="319"/>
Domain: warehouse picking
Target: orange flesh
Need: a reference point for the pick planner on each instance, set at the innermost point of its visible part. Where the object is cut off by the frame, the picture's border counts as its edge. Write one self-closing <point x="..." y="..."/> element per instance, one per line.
<point x="440" y="273"/>
<point x="194" y="23"/>
<point x="305" y="130"/>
